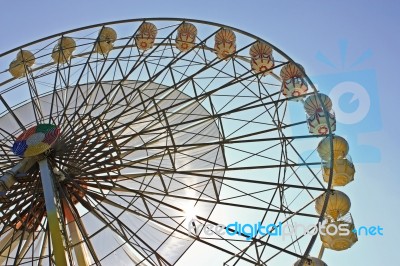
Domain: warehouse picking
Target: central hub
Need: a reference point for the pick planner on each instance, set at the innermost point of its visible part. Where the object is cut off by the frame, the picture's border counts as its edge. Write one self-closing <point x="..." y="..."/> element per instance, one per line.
<point x="36" y="140"/>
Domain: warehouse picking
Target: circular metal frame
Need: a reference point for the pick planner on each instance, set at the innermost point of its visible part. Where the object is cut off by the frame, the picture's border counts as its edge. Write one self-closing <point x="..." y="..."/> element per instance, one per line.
<point x="91" y="130"/>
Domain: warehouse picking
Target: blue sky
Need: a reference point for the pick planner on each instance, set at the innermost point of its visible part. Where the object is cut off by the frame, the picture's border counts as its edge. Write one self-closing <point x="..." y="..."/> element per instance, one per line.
<point x="336" y="41"/>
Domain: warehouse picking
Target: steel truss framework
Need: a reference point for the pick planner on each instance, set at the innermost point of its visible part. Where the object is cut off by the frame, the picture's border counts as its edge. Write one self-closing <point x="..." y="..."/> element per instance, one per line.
<point x="148" y="137"/>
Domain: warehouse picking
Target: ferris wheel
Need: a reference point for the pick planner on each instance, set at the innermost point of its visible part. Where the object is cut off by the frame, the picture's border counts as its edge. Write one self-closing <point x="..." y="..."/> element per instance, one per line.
<point x="154" y="141"/>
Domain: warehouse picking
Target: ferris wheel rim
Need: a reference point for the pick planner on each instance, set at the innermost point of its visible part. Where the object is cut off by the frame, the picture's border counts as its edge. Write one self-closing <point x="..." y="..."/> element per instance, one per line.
<point x="330" y="134"/>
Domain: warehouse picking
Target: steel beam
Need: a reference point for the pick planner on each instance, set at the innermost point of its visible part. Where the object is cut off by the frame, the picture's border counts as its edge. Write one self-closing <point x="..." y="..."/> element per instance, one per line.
<point x="52" y="214"/>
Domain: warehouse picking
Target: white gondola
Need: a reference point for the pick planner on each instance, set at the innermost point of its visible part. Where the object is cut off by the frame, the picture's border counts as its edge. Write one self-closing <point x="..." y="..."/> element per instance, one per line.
<point x="339" y="235"/>
<point x="340" y="148"/>
<point x="261" y="58"/>
<point x="225" y="43"/>
<point x="338" y="204"/>
<point x="21" y="64"/>
<point x="105" y="43"/>
<point x="186" y="37"/>
<point x="63" y="50"/>
<point x="146" y="36"/>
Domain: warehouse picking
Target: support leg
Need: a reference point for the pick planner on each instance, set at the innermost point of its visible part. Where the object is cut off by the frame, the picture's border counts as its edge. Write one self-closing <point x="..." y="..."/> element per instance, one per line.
<point x="52" y="215"/>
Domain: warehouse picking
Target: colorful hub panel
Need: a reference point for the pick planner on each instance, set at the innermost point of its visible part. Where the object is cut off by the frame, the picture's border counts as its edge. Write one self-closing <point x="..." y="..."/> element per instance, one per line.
<point x="36" y="140"/>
